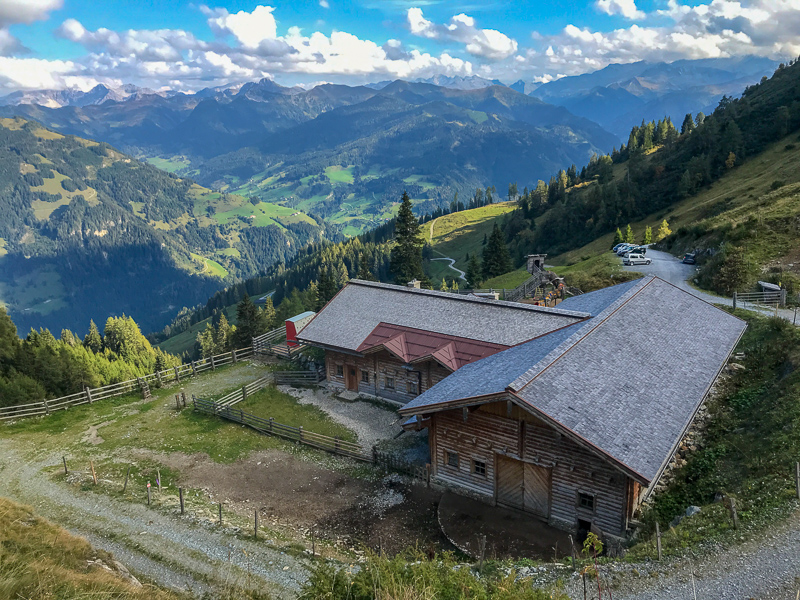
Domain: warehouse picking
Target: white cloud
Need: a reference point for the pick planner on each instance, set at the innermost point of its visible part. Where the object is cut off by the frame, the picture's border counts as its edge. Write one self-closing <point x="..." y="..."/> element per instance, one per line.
<point x="625" y="8"/>
<point x="250" y="28"/>
<point x="324" y="3"/>
<point x="485" y="43"/>
<point x="26" y="11"/>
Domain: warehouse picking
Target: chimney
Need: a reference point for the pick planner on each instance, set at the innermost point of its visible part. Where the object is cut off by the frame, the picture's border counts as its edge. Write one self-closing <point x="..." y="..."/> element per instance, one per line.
<point x="415" y="283"/>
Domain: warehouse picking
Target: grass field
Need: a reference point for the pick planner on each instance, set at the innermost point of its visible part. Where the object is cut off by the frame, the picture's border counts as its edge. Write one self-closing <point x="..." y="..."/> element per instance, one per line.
<point x="42" y="210"/>
<point x="39" y="291"/>
<point x="339" y="174"/>
<point x="171" y="164"/>
<point x="210" y="266"/>
<point x="508" y="281"/>
<point x="283" y="408"/>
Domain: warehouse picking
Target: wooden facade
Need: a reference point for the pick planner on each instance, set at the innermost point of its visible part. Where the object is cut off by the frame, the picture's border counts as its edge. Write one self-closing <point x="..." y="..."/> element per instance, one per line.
<point x="508" y="457"/>
<point x="382" y="374"/>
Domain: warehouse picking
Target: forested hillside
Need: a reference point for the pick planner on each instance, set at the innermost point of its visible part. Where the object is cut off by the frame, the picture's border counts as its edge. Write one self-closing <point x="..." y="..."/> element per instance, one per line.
<point x="87" y="232"/>
<point x="662" y="164"/>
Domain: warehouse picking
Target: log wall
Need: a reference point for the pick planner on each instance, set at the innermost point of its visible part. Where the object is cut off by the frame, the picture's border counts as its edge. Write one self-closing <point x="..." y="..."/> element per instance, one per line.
<point x="481" y="433"/>
<point x="380" y="367"/>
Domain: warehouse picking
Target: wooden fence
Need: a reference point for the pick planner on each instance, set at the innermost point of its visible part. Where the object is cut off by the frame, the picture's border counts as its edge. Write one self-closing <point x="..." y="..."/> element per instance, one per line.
<point x="90" y="395"/>
<point x="274" y="343"/>
<point x="334" y="445"/>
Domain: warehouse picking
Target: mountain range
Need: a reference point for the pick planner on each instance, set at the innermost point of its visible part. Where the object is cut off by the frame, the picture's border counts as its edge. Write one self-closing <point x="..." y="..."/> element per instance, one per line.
<point x="342" y="153"/>
<point x="621" y="95"/>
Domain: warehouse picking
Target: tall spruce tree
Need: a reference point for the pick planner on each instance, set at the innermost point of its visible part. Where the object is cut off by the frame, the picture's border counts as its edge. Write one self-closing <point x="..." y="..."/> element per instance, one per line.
<point x="473" y="273"/>
<point x="406" y="257"/>
<point x="93" y="341"/>
<point x="618" y="239"/>
<point x="496" y="258"/>
<point x="629" y="237"/>
<point x="249" y="322"/>
<point x="326" y="288"/>
<point x="366" y="267"/>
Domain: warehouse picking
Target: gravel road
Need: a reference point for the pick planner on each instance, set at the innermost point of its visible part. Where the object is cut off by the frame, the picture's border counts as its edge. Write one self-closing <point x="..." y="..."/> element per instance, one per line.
<point x="461" y="274"/>
<point x="672" y="269"/>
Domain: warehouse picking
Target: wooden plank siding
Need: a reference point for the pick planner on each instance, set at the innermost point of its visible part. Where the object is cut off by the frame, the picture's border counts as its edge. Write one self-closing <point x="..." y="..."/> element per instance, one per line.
<point x="503" y="432"/>
<point x="380" y="366"/>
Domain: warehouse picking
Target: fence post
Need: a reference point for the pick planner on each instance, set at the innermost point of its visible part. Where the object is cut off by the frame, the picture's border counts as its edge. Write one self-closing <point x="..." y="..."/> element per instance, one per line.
<point x="271" y="420"/>
<point x="783" y="297"/>
<point x="658" y="540"/>
<point x="336" y="445"/>
<point x="734" y="300"/>
<point x="64" y="458"/>
<point x="183" y="398"/>
<point x="148" y="493"/>
<point x="374" y="455"/>
<point x="734" y="514"/>
<point x="94" y="475"/>
<point x="233" y="356"/>
<point x="300" y="430"/>
<point x="255" y="529"/>
<point x="194" y="369"/>
<point x="220" y="514"/>
<point x="160" y="381"/>
<point x="88" y="394"/>
<point x="46" y="408"/>
<point x="428" y="474"/>
<point x="180" y="497"/>
<point x="213" y="366"/>
<point x="797" y="478"/>
<point x="244" y="393"/>
<point x="177" y="375"/>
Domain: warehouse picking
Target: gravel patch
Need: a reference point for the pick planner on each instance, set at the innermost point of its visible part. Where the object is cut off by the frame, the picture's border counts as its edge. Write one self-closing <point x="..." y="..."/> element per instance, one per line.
<point x="370" y="422"/>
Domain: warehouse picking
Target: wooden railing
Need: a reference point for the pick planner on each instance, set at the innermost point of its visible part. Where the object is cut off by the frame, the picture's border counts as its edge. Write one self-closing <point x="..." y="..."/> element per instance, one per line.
<point x="334" y="445"/>
<point x="90" y="395"/>
<point x="274" y="343"/>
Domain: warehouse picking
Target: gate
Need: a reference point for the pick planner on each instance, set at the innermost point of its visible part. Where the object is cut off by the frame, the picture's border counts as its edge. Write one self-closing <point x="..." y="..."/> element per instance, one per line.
<point x="523" y="485"/>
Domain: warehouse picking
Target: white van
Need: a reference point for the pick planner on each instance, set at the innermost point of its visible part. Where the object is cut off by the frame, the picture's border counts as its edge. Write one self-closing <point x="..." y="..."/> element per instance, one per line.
<point x="635" y="259"/>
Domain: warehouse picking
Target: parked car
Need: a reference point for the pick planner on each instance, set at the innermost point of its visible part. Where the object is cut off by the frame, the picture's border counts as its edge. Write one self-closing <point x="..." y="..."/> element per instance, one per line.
<point x="635" y="259"/>
<point x="627" y="248"/>
<point x="635" y="250"/>
<point x="689" y="258"/>
<point x="618" y="246"/>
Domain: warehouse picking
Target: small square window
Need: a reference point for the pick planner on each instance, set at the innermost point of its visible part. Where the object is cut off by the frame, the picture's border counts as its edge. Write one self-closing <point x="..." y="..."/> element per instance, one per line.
<point x="451" y="459"/>
<point x="390" y="383"/>
<point x="365" y="376"/>
<point x="479" y="467"/>
<point x="586" y="501"/>
<point x="411" y="387"/>
<point x="339" y="370"/>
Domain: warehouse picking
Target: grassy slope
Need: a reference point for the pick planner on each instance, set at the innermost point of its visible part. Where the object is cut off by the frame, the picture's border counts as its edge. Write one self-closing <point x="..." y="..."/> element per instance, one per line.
<point x="184" y="342"/>
<point x="39" y="560"/>
<point x="457" y="234"/>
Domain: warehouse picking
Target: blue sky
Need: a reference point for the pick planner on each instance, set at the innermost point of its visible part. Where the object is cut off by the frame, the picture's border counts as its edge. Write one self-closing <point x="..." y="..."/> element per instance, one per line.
<point x="190" y="45"/>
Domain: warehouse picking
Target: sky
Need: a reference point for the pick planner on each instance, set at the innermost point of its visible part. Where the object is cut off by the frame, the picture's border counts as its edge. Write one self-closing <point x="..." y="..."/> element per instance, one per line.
<point x="183" y="45"/>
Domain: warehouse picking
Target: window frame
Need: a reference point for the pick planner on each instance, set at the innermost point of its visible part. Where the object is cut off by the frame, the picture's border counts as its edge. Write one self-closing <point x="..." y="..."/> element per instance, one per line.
<point x="448" y="454"/>
<point x="364" y="376"/>
<point x="340" y="370"/>
<point x="479" y="471"/>
<point x="412" y="387"/>
<point x="386" y="381"/>
<point x="586" y="496"/>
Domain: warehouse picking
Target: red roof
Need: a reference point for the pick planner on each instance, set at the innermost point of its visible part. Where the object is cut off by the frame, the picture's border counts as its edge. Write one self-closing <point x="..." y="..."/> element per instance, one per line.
<point x="413" y="345"/>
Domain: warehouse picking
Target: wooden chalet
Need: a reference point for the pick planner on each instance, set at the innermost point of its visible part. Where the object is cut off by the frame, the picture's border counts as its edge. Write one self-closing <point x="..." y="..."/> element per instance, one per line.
<point x="576" y="426"/>
<point x="397" y="342"/>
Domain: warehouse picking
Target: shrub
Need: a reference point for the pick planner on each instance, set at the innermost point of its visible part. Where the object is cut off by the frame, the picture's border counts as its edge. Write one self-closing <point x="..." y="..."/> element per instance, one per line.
<point x="777" y="184"/>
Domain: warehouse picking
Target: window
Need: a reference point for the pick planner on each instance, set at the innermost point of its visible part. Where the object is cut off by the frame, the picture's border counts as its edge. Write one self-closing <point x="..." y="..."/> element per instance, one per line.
<point x="411" y="387"/>
<point x="339" y="370"/>
<point x="479" y="467"/>
<point x="365" y="376"/>
<point x="390" y="383"/>
<point x="586" y="501"/>
<point x="451" y="459"/>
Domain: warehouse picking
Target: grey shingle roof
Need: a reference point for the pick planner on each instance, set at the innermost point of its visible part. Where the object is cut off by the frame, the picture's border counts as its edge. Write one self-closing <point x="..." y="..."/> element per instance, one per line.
<point x="627" y="381"/>
<point x="361" y="305"/>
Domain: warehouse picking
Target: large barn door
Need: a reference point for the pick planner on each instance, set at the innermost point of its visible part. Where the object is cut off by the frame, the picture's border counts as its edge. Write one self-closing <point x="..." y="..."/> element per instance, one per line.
<point x="537" y="490"/>
<point x="509" y="482"/>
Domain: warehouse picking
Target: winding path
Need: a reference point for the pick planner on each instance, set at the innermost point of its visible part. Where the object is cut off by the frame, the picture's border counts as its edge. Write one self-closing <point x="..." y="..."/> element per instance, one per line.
<point x="461" y="274"/>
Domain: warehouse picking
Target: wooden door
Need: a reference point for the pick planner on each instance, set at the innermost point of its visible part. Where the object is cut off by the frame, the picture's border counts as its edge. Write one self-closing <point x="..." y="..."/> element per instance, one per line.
<point x="352" y="378"/>
<point x="537" y="489"/>
<point x="509" y="483"/>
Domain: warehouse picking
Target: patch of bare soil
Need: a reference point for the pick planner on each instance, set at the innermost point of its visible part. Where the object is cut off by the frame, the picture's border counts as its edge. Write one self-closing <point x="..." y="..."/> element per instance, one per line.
<point x="391" y="513"/>
<point x="91" y="436"/>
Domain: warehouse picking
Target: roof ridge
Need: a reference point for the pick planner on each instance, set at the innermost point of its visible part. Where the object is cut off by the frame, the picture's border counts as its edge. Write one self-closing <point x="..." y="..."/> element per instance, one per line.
<point x="468" y="298"/>
<point x="583" y="330"/>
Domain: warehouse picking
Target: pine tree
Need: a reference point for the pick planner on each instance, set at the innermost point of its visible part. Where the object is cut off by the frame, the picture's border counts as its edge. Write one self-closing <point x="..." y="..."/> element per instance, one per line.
<point x="326" y="289"/>
<point x="206" y="341"/>
<point x="406" y="256"/>
<point x="93" y="341"/>
<point x="629" y="237"/>
<point x="618" y="239"/>
<point x="663" y="231"/>
<point x="444" y="287"/>
<point x="224" y="335"/>
<point x="365" y="267"/>
<point x="688" y="124"/>
<point x="648" y="236"/>
<point x="473" y="273"/>
<point x="249" y="321"/>
<point x="268" y="313"/>
<point x="496" y="258"/>
<point x="454" y="286"/>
